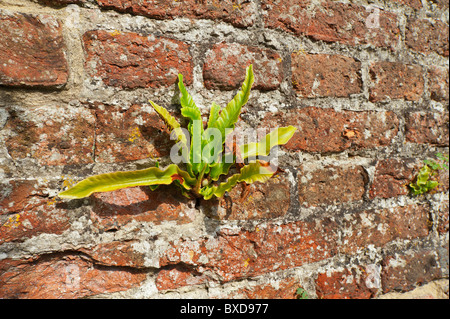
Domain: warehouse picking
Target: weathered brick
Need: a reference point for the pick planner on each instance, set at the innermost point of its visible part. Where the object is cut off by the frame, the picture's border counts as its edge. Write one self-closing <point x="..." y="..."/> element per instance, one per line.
<point x="117" y="254"/>
<point x="31" y="51"/>
<point x="241" y="254"/>
<point x="284" y="288"/>
<point x="62" y="276"/>
<point x="438" y="85"/>
<point x="427" y="36"/>
<point x="26" y="211"/>
<point x="329" y="22"/>
<point x="415" y="4"/>
<point x="129" y="135"/>
<point x="340" y="184"/>
<point x="394" y="80"/>
<point x="426" y="127"/>
<point x="225" y="66"/>
<point x="238" y="13"/>
<point x="178" y="276"/>
<point x="346" y="284"/>
<point x="443" y="216"/>
<point x="130" y="60"/>
<point x="379" y="226"/>
<point x="113" y="210"/>
<point x="256" y="201"/>
<point x="327" y="130"/>
<point x="318" y="75"/>
<point x="441" y="4"/>
<point x="61" y="2"/>
<point x="392" y="177"/>
<point x="407" y="271"/>
<point x="58" y="139"/>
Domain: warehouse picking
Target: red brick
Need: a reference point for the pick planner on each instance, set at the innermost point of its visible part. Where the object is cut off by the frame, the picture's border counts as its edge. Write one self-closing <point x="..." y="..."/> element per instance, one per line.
<point x="426" y="127"/>
<point x="394" y="80"/>
<point x="285" y="288"/>
<point x="176" y="277"/>
<point x="379" y="227"/>
<point x="346" y="284"/>
<point x="57" y="139"/>
<point x="326" y="130"/>
<point x="240" y="254"/>
<point x="130" y="60"/>
<point x="318" y="75"/>
<point x="234" y="254"/>
<point x="407" y="271"/>
<point x="225" y="66"/>
<point x="438" y="84"/>
<point x="256" y="201"/>
<point x="442" y="176"/>
<point x="26" y="211"/>
<point x="31" y="51"/>
<point x="113" y="210"/>
<point x="62" y="276"/>
<point x="329" y="22"/>
<point x="392" y="177"/>
<point x="129" y="135"/>
<point x="340" y="184"/>
<point x="427" y="36"/>
<point x="240" y="14"/>
<point x="118" y="254"/>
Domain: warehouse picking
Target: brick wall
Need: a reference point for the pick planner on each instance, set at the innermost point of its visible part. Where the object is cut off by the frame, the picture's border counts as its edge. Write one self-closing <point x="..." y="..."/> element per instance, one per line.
<point x="365" y="82"/>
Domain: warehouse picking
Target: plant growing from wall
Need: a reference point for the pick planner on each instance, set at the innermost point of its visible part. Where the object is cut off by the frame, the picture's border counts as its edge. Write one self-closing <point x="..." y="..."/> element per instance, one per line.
<point x="424" y="181"/>
<point x="203" y="151"/>
<point x="301" y="293"/>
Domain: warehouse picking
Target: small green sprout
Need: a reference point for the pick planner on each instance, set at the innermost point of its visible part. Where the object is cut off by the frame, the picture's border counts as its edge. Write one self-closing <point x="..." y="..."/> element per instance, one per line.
<point x="424" y="182"/>
<point x="301" y="293"/>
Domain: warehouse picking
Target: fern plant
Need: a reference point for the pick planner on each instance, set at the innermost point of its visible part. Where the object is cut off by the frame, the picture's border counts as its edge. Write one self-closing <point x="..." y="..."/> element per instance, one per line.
<point x="202" y="151"/>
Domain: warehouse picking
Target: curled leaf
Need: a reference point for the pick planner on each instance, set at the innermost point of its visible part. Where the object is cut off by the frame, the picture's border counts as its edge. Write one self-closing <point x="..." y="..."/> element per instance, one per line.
<point x="258" y="171"/>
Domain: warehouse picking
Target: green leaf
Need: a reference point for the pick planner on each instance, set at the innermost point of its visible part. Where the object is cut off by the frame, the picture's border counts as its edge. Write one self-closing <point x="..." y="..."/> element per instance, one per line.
<point x="301" y="293"/>
<point x="171" y="122"/>
<point x="113" y="181"/>
<point x="443" y="157"/>
<point x="195" y="126"/>
<point x="279" y="136"/>
<point x="218" y="169"/>
<point x="253" y="172"/>
<point x="423" y="183"/>
<point x="230" y="114"/>
<point x="213" y="114"/>
<point x="188" y="107"/>
<point x="196" y="147"/>
<point x="433" y="164"/>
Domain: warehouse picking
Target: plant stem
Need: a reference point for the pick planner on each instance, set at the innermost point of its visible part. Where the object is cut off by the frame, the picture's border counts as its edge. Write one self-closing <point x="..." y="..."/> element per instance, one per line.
<point x="199" y="180"/>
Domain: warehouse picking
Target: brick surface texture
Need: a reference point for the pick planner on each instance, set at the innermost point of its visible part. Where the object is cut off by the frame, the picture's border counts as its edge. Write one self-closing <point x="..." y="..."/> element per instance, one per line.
<point x="32" y="51"/>
<point x="365" y="85"/>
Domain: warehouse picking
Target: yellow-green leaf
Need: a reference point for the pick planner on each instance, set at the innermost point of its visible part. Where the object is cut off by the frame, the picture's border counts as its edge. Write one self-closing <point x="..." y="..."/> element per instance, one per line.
<point x="117" y="180"/>
<point x="254" y="172"/>
<point x="171" y="122"/>
<point x="213" y="114"/>
<point x="279" y="136"/>
<point x="230" y="114"/>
